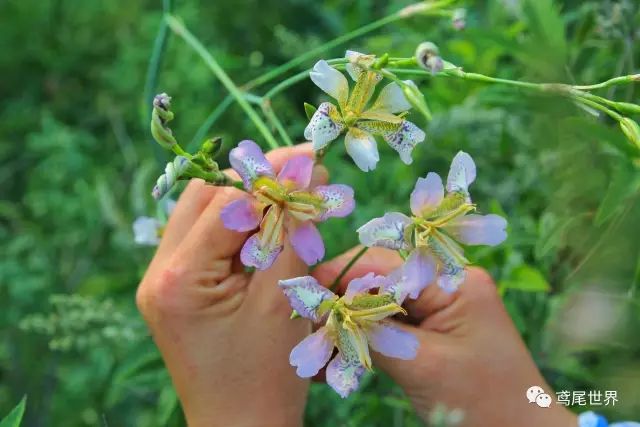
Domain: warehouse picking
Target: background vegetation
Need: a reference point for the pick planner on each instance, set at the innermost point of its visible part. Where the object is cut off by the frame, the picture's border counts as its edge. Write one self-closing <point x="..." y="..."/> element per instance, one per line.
<point x="78" y="166"/>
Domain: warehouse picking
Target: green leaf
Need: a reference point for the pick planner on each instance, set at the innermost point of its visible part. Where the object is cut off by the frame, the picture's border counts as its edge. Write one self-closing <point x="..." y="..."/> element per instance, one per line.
<point x="309" y="110"/>
<point x="526" y="278"/>
<point x="622" y="185"/>
<point x="15" y="416"/>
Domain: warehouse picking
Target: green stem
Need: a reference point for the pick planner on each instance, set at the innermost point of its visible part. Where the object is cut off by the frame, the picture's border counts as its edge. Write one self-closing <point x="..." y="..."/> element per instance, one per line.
<point x="296" y="78"/>
<point x="599" y="107"/>
<point x="180" y="30"/>
<point x="621" y="80"/>
<point x="313" y="53"/>
<point x="347" y="267"/>
<point x="202" y="131"/>
<point x="275" y="121"/>
<point x="153" y="71"/>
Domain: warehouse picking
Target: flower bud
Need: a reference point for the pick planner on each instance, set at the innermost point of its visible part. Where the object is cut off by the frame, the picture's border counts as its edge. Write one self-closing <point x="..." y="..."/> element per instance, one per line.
<point x="428" y="57"/>
<point x="160" y="116"/>
<point x="416" y="98"/>
<point x="459" y="19"/>
<point x="631" y="130"/>
<point x="172" y="173"/>
<point x="211" y="147"/>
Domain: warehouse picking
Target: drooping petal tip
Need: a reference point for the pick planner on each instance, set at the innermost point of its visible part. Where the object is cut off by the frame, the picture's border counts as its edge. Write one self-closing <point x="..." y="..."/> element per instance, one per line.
<point x="362" y="148"/>
<point x="253" y="254"/>
<point x="344" y="375"/>
<point x="307" y="242"/>
<point x="240" y="215"/>
<point x="325" y="126"/>
<point x="386" y="231"/>
<point x="427" y="194"/>
<point x="337" y="200"/>
<point x="392" y="341"/>
<point x="462" y="173"/>
<point x="312" y="353"/>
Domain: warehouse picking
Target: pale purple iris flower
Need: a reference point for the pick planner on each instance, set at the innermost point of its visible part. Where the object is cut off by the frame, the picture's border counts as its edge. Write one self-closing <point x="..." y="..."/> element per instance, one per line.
<point x="440" y="223"/>
<point x="353" y="323"/>
<point x="359" y="118"/>
<point x="282" y="204"/>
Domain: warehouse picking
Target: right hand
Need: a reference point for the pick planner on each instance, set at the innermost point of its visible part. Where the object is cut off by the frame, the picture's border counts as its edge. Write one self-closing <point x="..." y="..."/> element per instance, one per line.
<point x="470" y="356"/>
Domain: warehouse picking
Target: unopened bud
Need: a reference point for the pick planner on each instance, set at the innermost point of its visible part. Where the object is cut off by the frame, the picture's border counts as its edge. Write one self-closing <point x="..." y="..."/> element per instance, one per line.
<point x="162" y="101"/>
<point x="459" y="19"/>
<point x="631" y="130"/>
<point x="416" y="98"/>
<point x="428" y="57"/>
<point x="160" y="116"/>
<point x="211" y="147"/>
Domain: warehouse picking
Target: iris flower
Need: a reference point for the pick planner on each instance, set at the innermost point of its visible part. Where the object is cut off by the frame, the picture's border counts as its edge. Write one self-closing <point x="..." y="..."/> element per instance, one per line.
<point x="280" y="205"/>
<point x="354" y="115"/>
<point x="439" y="224"/>
<point x="147" y="230"/>
<point x="354" y="322"/>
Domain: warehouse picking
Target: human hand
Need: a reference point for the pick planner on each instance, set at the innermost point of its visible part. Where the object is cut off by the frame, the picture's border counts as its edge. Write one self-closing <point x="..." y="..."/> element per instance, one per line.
<point x="225" y="335"/>
<point x="470" y="355"/>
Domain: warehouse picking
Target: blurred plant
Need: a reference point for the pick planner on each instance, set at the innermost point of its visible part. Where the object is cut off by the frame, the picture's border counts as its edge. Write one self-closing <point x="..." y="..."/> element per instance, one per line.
<point x="78" y="323"/>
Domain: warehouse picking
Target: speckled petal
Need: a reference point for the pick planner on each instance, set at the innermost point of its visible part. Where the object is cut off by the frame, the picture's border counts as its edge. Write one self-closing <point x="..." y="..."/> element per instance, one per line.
<point x="240" y="215"/>
<point x="451" y="277"/>
<point x="427" y="194"/>
<point x="362" y="148"/>
<point x="248" y="160"/>
<point x="404" y="139"/>
<point x="305" y="295"/>
<point x="392" y="341"/>
<point x="325" y="126"/>
<point x="391" y="99"/>
<point x="253" y="254"/>
<point x="307" y="242"/>
<point x="337" y="200"/>
<point x="145" y="231"/>
<point x="296" y="172"/>
<point x="478" y="229"/>
<point x="331" y="81"/>
<point x="343" y="375"/>
<point x="462" y="173"/>
<point x="312" y="353"/>
<point x="386" y="232"/>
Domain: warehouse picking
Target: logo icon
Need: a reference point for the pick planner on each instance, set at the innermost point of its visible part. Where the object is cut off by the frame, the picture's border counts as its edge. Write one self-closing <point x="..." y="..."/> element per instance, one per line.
<point x="535" y="394"/>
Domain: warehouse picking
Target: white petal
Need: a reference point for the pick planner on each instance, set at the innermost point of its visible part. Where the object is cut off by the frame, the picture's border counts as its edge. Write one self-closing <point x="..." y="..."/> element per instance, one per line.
<point x="353" y="57"/>
<point x="462" y="173"/>
<point x="145" y="231"/>
<point x="362" y="148"/>
<point x="392" y="99"/>
<point x="330" y="80"/>
<point x="386" y="231"/>
<point x="405" y="139"/>
<point x="324" y="126"/>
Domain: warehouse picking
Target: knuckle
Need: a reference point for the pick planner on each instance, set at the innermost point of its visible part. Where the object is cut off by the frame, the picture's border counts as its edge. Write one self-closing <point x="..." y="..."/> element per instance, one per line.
<point x="482" y="284"/>
<point x="158" y="295"/>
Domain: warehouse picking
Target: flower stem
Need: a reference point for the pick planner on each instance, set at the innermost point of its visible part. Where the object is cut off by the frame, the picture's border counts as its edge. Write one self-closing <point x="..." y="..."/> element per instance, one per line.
<point x="202" y="131"/>
<point x="153" y="70"/>
<point x="275" y="121"/>
<point x="179" y="29"/>
<point x="347" y="267"/>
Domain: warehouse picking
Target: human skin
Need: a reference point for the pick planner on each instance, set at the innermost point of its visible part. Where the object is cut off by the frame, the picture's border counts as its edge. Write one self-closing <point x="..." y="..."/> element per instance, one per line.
<point x="225" y="335"/>
<point x="470" y="356"/>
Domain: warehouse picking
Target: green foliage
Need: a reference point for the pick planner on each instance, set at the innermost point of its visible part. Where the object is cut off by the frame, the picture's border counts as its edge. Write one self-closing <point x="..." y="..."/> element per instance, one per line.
<point x="78" y="166"/>
<point x="14" y="418"/>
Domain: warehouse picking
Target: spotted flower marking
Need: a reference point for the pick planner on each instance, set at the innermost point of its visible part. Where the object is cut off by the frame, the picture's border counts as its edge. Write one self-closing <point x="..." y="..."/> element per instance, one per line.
<point x="440" y="224"/>
<point x="352" y="324"/>
<point x="358" y="117"/>
<point x="281" y="205"/>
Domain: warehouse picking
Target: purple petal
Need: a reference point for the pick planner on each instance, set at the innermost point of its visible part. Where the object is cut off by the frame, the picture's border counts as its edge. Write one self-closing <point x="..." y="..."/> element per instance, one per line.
<point x="386" y="232"/>
<point x="240" y="215"/>
<point x="479" y="229"/>
<point x="248" y="160"/>
<point x="253" y="254"/>
<point x="343" y="375"/>
<point x="427" y="194"/>
<point x="392" y="341"/>
<point x="307" y="242"/>
<point x="325" y="126"/>
<point x="417" y="272"/>
<point x="312" y="353"/>
<point x="305" y="295"/>
<point x="462" y="173"/>
<point x="363" y="285"/>
<point x="362" y="148"/>
<point x="337" y="200"/>
<point x="296" y="172"/>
